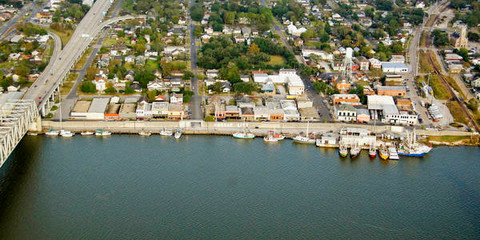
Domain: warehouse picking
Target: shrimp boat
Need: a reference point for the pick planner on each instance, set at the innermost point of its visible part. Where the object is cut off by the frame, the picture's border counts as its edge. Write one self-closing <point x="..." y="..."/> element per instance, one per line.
<point x="245" y="134"/>
<point x="178" y="133"/>
<point x="343" y="151"/>
<point x="102" y="133"/>
<point x="372" y="152"/>
<point x="87" y="133"/>
<point x="383" y="152"/>
<point x="304" y="139"/>
<point x="144" y="133"/>
<point x="393" y="155"/>
<point x="355" y="151"/>
<point x="165" y="132"/>
<point x="65" y="133"/>
<point x="52" y="132"/>
<point x="413" y="149"/>
<point x="270" y="137"/>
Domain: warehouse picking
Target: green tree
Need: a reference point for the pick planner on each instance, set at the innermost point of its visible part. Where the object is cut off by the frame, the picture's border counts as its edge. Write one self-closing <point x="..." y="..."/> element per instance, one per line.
<point x="88" y="87"/>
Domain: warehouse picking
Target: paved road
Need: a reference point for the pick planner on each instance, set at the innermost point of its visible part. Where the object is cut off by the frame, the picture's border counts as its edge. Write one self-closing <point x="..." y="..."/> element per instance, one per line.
<point x="4" y="29"/>
<point x="49" y="80"/>
<point x="69" y="101"/>
<point x="196" y="100"/>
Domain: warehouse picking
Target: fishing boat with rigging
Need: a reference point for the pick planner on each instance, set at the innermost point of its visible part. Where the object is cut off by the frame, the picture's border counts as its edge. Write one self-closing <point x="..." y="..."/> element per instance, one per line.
<point x="343" y="150"/>
<point x="355" y="151"/>
<point x="304" y="139"/>
<point x="392" y="153"/>
<point x="410" y="147"/>
<point x="166" y="132"/>
<point x="383" y="152"/>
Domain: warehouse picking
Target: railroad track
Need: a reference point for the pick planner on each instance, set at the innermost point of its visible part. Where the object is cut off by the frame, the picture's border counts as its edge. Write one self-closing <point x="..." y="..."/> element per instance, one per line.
<point x="461" y="101"/>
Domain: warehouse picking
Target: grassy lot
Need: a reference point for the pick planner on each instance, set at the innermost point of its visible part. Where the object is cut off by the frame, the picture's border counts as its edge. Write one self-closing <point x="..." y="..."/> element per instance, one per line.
<point x="64" y="36"/>
<point x="110" y="41"/>
<point x="68" y="84"/>
<point x="455" y="86"/>
<point x="425" y="65"/>
<point x="81" y="62"/>
<point x="457" y="113"/>
<point x="439" y="89"/>
<point x="423" y="39"/>
<point x="276" y="60"/>
<point x="151" y="65"/>
<point x="451" y="139"/>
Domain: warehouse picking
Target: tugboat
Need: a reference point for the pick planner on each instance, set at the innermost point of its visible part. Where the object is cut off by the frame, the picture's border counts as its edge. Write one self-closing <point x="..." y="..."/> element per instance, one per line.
<point x="343" y="150"/>
<point x="383" y="153"/>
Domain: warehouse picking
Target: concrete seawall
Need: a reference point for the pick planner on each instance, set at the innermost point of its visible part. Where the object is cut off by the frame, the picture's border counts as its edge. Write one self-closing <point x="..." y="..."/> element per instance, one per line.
<point x="225" y="128"/>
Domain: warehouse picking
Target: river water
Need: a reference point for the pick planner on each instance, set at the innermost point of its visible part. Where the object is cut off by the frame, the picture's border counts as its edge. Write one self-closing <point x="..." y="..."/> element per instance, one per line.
<point x="202" y="187"/>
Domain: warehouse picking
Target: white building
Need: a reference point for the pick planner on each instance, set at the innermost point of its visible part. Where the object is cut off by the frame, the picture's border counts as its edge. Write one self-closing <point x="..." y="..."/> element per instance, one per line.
<point x="345" y="113"/>
<point x="285" y="76"/>
<point x="383" y="108"/>
<point x="388" y="67"/>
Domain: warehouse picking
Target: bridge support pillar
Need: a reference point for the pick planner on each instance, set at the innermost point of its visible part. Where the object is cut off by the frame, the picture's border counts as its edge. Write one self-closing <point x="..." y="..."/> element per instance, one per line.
<point x="36" y="125"/>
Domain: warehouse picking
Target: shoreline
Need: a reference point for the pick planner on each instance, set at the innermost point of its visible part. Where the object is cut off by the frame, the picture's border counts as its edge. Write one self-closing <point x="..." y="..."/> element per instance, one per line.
<point x="259" y="129"/>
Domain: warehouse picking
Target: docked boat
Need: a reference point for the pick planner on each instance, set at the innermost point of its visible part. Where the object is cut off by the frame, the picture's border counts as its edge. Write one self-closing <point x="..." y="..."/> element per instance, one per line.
<point x="304" y="139"/>
<point x="102" y="133"/>
<point x="372" y="152"/>
<point x="343" y="151"/>
<point x="410" y="147"/>
<point x="270" y="137"/>
<point x="279" y="137"/>
<point x="87" y="133"/>
<point x="65" y="133"/>
<point x="355" y="151"/>
<point x="243" y="135"/>
<point x="52" y="132"/>
<point x="178" y="133"/>
<point x="383" y="152"/>
<point x="144" y="133"/>
<point x="393" y="155"/>
<point x="165" y="132"/>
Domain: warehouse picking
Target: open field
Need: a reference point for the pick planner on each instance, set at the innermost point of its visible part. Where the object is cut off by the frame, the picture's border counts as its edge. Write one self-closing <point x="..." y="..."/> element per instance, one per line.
<point x="64" y="36"/>
<point x="439" y="89"/>
<point x="276" y="60"/>
<point x="81" y="62"/>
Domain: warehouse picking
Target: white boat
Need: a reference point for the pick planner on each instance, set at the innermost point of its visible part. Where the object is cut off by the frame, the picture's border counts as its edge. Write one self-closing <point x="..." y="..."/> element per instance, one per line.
<point x="144" y="133"/>
<point x="87" y="133"/>
<point x="393" y="155"/>
<point x="355" y="151"/>
<point x="65" y="133"/>
<point x="165" y="132"/>
<point x="270" y="137"/>
<point x="243" y="135"/>
<point x="411" y="148"/>
<point x="305" y="139"/>
<point x="52" y="132"/>
<point x="178" y="133"/>
<point x="102" y="133"/>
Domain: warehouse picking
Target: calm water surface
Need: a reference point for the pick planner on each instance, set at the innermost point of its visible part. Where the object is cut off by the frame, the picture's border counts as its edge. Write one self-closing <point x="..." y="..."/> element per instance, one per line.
<point x="129" y="187"/>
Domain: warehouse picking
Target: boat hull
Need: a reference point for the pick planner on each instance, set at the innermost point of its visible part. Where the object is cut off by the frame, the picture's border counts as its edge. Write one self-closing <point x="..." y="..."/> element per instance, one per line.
<point x="343" y="155"/>
<point x="412" y="154"/>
